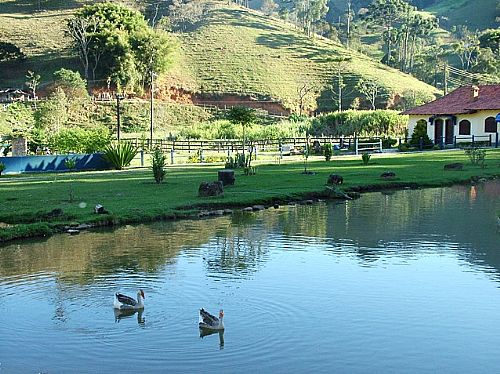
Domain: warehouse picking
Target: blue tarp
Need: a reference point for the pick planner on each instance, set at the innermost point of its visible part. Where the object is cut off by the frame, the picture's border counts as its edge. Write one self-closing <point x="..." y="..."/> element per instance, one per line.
<point x="23" y="164"/>
<point x="498" y="117"/>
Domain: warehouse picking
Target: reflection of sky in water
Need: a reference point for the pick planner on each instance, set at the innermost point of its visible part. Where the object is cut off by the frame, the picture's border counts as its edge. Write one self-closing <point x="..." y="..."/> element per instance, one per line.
<point x="406" y="281"/>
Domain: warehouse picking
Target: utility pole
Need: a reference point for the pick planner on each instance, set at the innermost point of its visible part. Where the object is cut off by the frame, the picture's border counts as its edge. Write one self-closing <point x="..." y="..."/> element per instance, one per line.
<point x="118" y="99"/>
<point x="445" y="78"/>
<point x="349" y="4"/>
<point x="152" y="108"/>
<point x="341" y="86"/>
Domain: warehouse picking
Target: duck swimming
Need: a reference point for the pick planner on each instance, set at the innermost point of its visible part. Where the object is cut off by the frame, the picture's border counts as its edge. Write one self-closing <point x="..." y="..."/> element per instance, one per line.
<point x="210" y="322"/>
<point x="123" y="302"/>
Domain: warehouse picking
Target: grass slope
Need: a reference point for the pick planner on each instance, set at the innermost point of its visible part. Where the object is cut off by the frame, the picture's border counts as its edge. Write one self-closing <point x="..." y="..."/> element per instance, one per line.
<point x="132" y="195"/>
<point x="476" y="14"/>
<point x="233" y="50"/>
<point x="242" y="51"/>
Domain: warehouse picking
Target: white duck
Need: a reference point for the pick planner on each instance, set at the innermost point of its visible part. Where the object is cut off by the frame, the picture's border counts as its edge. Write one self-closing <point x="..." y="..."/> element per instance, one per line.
<point x="124" y="302"/>
<point x="210" y="322"/>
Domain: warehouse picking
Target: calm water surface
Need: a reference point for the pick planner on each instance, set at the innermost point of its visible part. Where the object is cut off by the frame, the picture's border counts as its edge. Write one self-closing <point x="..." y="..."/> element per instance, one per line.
<point x="400" y="282"/>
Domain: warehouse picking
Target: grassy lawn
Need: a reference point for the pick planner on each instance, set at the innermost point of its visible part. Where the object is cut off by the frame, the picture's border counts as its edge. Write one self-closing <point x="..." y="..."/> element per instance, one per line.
<point x="132" y="196"/>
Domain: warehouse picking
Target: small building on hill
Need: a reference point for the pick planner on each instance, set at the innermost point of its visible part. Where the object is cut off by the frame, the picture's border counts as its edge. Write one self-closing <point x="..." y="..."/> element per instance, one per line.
<point x="11" y="95"/>
<point x="465" y="112"/>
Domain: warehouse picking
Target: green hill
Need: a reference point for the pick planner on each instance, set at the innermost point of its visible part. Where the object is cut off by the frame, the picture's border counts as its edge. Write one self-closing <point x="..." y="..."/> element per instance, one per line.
<point x="476" y="14"/>
<point x="233" y="50"/>
<point x="242" y="51"/>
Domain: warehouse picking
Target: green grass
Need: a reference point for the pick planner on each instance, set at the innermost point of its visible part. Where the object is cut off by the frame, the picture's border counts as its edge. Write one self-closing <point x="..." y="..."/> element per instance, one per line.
<point x="243" y="51"/>
<point x="133" y="196"/>
<point x="473" y="13"/>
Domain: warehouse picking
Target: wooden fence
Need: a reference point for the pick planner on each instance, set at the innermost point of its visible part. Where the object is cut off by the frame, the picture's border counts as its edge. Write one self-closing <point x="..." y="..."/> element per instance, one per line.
<point x="264" y="145"/>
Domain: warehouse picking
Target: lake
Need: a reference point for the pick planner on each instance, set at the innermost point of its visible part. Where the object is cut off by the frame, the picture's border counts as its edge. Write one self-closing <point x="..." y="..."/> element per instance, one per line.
<point x="402" y="281"/>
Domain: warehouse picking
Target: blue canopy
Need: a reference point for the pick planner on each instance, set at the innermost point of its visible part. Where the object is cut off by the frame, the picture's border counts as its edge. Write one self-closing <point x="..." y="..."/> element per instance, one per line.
<point x="498" y="117"/>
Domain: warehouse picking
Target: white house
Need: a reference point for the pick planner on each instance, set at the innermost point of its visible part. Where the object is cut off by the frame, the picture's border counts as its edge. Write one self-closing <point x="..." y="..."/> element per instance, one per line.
<point x="465" y="112"/>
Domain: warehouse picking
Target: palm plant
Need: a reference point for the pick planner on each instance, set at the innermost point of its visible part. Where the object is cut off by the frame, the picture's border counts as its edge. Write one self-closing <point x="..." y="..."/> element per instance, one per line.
<point x="120" y="154"/>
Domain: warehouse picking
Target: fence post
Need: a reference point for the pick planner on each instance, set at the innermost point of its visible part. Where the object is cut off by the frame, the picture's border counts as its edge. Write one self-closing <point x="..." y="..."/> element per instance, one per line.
<point x="172" y="156"/>
<point x="380" y="140"/>
<point x="496" y="140"/>
<point x="473" y="140"/>
<point x="356" y="145"/>
<point x="142" y="157"/>
<point x="189" y="146"/>
<point x="490" y="140"/>
<point x="454" y="141"/>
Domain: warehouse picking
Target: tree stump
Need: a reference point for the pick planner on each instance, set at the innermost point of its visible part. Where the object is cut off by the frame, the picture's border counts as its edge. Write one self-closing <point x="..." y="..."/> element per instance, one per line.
<point x="226" y="176"/>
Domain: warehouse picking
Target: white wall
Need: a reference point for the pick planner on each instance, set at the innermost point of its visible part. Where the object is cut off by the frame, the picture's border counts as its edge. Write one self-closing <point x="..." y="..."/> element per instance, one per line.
<point x="476" y="121"/>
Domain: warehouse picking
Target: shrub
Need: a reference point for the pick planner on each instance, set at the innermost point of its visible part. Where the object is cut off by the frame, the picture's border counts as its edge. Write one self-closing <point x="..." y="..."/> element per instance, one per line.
<point x="476" y="155"/>
<point x="388" y="143"/>
<point x="237" y="162"/>
<point x="366" y="158"/>
<point x="120" y="154"/>
<point x="363" y="123"/>
<point x="328" y="151"/>
<point x="2" y="167"/>
<point x="70" y="163"/>
<point x="158" y="161"/>
<point x="420" y="131"/>
<point x="76" y="140"/>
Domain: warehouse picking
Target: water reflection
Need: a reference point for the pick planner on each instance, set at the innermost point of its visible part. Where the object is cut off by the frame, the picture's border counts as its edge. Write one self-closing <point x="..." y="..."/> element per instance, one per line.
<point x="205" y="332"/>
<point x="390" y="270"/>
<point x="125" y="314"/>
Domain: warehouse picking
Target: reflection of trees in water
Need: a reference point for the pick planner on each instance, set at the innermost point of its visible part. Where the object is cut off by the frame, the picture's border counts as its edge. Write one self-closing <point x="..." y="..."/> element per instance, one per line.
<point x="238" y="249"/>
<point x="238" y="244"/>
<point x="79" y="259"/>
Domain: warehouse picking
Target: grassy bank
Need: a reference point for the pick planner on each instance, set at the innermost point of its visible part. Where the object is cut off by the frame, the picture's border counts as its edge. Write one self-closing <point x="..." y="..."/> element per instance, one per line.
<point x="40" y="204"/>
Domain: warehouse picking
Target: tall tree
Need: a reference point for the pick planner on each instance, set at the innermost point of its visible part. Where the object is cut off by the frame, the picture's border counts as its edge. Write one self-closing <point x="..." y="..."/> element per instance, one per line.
<point x="118" y="43"/>
<point x="388" y="13"/>
<point x="370" y="89"/>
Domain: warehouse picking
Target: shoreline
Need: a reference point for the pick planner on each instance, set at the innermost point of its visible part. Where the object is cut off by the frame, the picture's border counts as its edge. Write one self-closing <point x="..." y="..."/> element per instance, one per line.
<point x="209" y="210"/>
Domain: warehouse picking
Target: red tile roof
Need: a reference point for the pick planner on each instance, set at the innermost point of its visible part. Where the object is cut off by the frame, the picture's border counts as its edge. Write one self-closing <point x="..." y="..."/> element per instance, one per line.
<point x="461" y="101"/>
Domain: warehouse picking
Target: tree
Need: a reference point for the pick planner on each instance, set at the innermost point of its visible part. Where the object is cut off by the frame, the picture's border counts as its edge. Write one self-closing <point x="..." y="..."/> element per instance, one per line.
<point x="11" y="52"/>
<point x="490" y="39"/>
<point x="269" y="7"/>
<point x="240" y="115"/>
<point x="305" y="94"/>
<point x="387" y="13"/>
<point x="152" y="51"/>
<point x="16" y="120"/>
<point x="33" y="82"/>
<point x="52" y="115"/>
<point x="70" y="82"/>
<point x="370" y="89"/>
<point x="118" y="43"/>
<point x="466" y="47"/>
<point x="183" y="14"/>
<point x="83" y="32"/>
